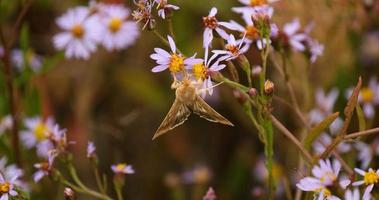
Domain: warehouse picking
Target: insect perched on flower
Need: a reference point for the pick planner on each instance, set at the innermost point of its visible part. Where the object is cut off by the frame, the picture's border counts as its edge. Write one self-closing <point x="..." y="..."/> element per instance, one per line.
<point x="187" y="100"/>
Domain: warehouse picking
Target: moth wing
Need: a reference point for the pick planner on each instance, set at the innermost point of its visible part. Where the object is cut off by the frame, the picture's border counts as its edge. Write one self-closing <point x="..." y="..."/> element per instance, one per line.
<point x="201" y="108"/>
<point x="176" y="116"/>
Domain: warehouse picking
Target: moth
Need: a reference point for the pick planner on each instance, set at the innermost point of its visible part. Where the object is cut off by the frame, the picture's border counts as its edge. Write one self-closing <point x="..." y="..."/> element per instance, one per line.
<point x="187" y="101"/>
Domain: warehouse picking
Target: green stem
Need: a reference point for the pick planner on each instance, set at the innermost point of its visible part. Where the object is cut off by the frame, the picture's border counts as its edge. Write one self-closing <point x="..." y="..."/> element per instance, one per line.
<point x="170" y="27"/>
<point x="98" y="180"/>
<point x="117" y="188"/>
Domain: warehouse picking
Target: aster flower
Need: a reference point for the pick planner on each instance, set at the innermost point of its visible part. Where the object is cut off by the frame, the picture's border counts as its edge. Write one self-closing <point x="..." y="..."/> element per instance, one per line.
<point x="369" y="97"/>
<point x="164" y="8"/>
<point x="143" y="13"/>
<point x="202" y="70"/>
<point x="233" y="48"/>
<point x="6" y="123"/>
<point x="294" y="35"/>
<point x="80" y="32"/>
<point x="173" y="61"/>
<point x="7" y="187"/>
<point x="10" y="171"/>
<point x="122" y="168"/>
<point x="37" y="130"/>
<point x="353" y="195"/>
<point x="33" y="60"/>
<point x="211" y="24"/>
<point x="91" y="150"/>
<point x="325" y="174"/>
<point x="263" y="12"/>
<point x="198" y="175"/>
<point x="365" y="154"/>
<point x="324" y="105"/>
<point x="44" y="168"/>
<point x="255" y="3"/>
<point x="315" y="49"/>
<point x="116" y="32"/>
<point x="370" y="178"/>
<point x="325" y="140"/>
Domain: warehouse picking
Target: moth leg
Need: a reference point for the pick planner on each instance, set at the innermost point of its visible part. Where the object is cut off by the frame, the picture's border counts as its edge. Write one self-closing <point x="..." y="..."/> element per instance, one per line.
<point x="199" y="91"/>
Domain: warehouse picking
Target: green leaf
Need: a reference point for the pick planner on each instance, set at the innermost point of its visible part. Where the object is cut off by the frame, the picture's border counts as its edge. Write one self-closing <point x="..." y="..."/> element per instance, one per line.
<point x="351" y="104"/>
<point x="361" y="118"/>
<point x="318" y="129"/>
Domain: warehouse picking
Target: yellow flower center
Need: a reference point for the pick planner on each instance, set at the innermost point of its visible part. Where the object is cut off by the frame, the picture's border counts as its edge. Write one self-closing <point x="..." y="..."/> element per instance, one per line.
<point x="77" y="31"/>
<point x="4" y="187"/>
<point x="325" y="191"/>
<point x="176" y="63"/>
<point x="210" y="22"/>
<point x="232" y="48"/>
<point x="199" y="71"/>
<point x="258" y="2"/>
<point x="370" y="178"/>
<point x="367" y="95"/>
<point x="120" y="167"/>
<point x="40" y="131"/>
<point x="114" y="24"/>
<point x="252" y="33"/>
<point x="328" y="176"/>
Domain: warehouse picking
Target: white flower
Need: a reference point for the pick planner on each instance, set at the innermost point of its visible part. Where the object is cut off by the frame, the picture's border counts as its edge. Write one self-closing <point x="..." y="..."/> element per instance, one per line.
<point x="295" y="36"/>
<point x="365" y="154"/>
<point x="325" y="140"/>
<point x="164" y="7"/>
<point x="7" y="187"/>
<point x="80" y="32"/>
<point x="203" y="68"/>
<point x="354" y="195"/>
<point x="173" y="61"/>
<point x="44" y="168"/>
<point x="325" y="104"/>
<point x="254" y="12"/>
<point x="33" y="60"/>
<point x="6" y="123"/>
<point x="122" y="168"/>
<point x="315" y="48"/>
<point x="91" y="150"/>
<point x="115" y="31"/>
<point x="233" y="48"/>
<point x="370" y="178"/>
<point x="369" y="97"/>
<point x="254" y="3"/>
<point x="12" y="171"/>
<point x="37" y="131"/>
<point x="211" y="23"/>
<point x="325" y="174"/>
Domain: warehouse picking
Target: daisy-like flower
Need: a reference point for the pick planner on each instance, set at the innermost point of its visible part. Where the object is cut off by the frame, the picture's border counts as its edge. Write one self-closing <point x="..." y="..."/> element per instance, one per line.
<point x="264" y="11"/>
<point x="7" y="187"/>
<point x="354" y="195"/>
<point x="33" y="60"/>
<point x="315" y="49"/>
<point x="164" y="8"/>
<point x="370" y="178"/>
<point x="233" y="48"/>
<point x="91" y="150"/>
<point x="122" y="168"/>
<point x="369" y="97"/>
<point x="324" y="175"/>
<point x="255" y="3"/>
<point x="80" y="33"/>
<point x="211" y="23"/>
<point x="116" y="32"/>
<point x="365" y="154"/>
<point x="202" y="70"/>
<point x="38" y="130"/>
<point x="10" y="171"/>
<point x="294" y="35"/>
<point x="173" y="61"/>
<point x="143" y="13"/>
<point x="6" y="123"/>
<point x="44" y="168"/>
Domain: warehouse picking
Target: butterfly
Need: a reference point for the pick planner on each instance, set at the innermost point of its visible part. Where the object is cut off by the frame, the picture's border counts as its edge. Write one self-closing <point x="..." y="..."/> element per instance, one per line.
<point x="187" y="101"/>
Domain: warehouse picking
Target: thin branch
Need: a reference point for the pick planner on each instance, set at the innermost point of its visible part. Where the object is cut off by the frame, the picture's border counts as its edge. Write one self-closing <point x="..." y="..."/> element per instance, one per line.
<point x="18" y="22"/>
<point x="290" y="136"/>
<point x="362" y="133"/>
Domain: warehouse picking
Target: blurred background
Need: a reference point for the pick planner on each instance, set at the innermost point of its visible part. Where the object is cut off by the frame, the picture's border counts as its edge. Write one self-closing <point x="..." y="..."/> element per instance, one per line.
<point x="114" y="100"/>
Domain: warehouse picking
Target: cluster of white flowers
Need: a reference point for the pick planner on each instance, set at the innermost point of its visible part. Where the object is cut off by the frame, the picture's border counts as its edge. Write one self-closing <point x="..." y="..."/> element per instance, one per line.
<point x="10" y="180"/>
<point x="84" y="28"/>
<point x="258" y="29"/>
<point x="19" y="57"/>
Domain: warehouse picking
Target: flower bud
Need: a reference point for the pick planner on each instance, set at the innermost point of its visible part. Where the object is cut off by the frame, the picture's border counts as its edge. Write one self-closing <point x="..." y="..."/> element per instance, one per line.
<point x="69" y="194"/>
<point x="256" y="71"/>
<point x="252" y="92"/>
<point x="239" y="96"/>
<point x="269" y="88"/>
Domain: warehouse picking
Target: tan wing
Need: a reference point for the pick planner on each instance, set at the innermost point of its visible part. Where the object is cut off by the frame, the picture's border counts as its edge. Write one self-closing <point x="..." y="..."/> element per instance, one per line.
<point x="177" y="115"/>
<point x="201" y="108"/>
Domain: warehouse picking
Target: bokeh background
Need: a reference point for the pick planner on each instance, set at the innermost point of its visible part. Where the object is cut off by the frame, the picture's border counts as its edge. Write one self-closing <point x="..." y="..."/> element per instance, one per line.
<point x="114" y="100"/>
